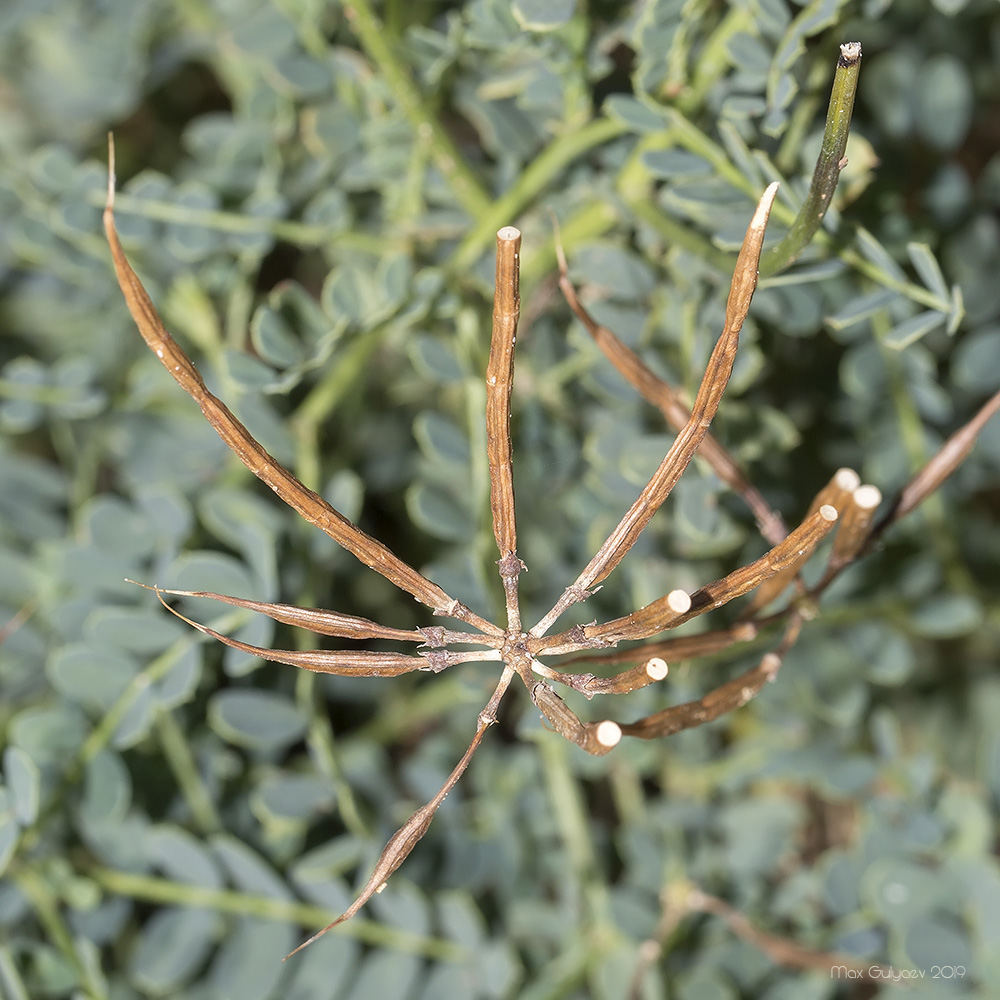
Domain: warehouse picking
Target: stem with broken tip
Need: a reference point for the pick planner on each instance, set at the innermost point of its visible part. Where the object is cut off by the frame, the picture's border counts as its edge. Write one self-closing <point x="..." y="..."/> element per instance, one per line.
<point x="725" y="698"/>
<point x="670" y="403"/>
<point x="837" y="493"/>
<point x="713" y="384"/>
<point x="499" y="382"/>
<point x="671" y="611"/>
<point x="828" y="166"/>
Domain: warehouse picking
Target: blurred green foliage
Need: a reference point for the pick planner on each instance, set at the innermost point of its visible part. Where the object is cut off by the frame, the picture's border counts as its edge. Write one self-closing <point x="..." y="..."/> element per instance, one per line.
<point x="310" y="190"/>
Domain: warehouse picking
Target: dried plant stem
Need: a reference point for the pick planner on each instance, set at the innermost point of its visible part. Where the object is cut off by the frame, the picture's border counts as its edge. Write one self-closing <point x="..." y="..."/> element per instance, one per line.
<point x="349" y="663"/>
<point x="720" y="366"/>
<point x="407" y="837"/>
<point x="780" y="950"/>
<point x="597" y="738"/>
<point x="651" y="670"/>
<point x="669" y="402"/>
<point x="720" y="701"/>
<point x="676" y="608"/>
<point x="499" y="382"/>
<point x="853" y="530"/>
<point x="334" y="623"/>
<point x="948" y="458"/>
<point x="309" y="505"/>
<point x="837" y="494"/>
<point x="520" y="652"/>
<point x="828" y="166"/>
<point x="684" y="647"/>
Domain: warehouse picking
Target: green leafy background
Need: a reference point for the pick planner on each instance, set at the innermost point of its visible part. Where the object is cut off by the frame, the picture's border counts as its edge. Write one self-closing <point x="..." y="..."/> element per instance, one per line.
<point x="310" y="190"/>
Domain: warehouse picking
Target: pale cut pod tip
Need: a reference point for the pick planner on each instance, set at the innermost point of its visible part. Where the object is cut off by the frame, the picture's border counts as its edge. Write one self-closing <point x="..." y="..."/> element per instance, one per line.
<point x="867" y="497"/>
<point x="508" y="234"/>
<point x="679" y="601"/>
<point x="847" y="480"/>
<point x="656" y="668"/>
<point x="759" y="220"/>
<point x="609" y="733"/>
<point x="770" y="664"/>
<point x="828" y="512"/>
<point x="110" y="203"/>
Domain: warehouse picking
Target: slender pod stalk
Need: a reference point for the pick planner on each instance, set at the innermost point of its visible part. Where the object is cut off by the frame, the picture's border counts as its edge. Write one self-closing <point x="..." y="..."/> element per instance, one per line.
<point x="947" y="459"/>
<point x="499" y="383"/>
<point x="678" y="457"/>
<point x="837" y="494"/>
<point x="677" y="608"/>
<point x="670" y="403"/>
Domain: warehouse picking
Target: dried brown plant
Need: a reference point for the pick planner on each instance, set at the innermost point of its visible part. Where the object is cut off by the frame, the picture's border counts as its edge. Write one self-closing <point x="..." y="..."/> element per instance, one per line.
<point x="521" y="652"/>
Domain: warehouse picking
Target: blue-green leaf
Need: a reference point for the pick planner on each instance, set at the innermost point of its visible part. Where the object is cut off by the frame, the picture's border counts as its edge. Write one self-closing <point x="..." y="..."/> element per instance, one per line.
<point x="23" y="780"/>
<point x="173" y="945"/>
<point x="259" y="720"/>
<point x="543" y="15"/>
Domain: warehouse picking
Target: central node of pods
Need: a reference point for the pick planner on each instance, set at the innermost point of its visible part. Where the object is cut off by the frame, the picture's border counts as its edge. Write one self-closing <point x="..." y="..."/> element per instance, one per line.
<point x="514" y="646"/>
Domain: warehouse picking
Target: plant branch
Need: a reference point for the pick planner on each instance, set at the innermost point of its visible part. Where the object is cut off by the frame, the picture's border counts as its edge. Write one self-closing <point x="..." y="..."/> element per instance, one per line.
<point x="304" y="501"/>
<point x="408" y="836"/>
<point x="720" y="366"/>
<point x="670" y="403"/>
<point x="531" y="182"/>
<point x="838" y="494"/>
<point x="372" y="35"/>
<point x="670" y="611"/>
<point x="828" y="166"/>
<point x="348" y="663"/>
<point x="499" y="382"/>
<point x="947" y="459"/>
<point x="727" y="697"/>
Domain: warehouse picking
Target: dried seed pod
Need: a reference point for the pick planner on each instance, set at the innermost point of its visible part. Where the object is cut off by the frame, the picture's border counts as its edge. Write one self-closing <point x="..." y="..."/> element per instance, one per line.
<point x="853" y="530"/>
<point x="836" y="493"/>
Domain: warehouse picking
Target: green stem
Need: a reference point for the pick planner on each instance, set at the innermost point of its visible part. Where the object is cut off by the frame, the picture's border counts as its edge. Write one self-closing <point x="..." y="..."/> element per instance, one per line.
<point x="915" y="293"/>
<point x="911" y="431"/>
<point x="372" y="36"/>
<point x="322" y="746"/>
<point x="591" y="220"/>
<point x="185" y="770"/>
<point x="46" y="908"/>
<point x="678" y="235"/>
<point x="567" y="805"/>
<point x="533" y="179"/>
<point x="800" y="120"/>
<point x="692" y="138"/>
<point x="328" y="392"/>
<point x="831" y="161"/>
<point x="11" y="984"/>
<point x="297" y="233"/>
<point x="151" y="889"/>
<point x="102" y="734"/>
<point x="713" y="58"/>
<point x="43" y="395"/>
